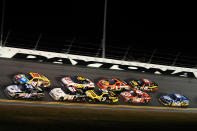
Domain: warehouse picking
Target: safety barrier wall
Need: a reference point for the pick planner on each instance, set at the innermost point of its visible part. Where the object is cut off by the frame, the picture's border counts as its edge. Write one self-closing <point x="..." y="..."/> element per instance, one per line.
<point x="61" y="58"/>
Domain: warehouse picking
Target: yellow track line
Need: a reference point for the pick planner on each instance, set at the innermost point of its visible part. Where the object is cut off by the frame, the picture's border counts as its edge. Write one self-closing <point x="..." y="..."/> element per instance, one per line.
<point x="105" y="105"/>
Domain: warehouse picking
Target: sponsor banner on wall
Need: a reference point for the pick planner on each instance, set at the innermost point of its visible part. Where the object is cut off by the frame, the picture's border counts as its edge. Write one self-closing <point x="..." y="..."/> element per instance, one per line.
<point x="60" y="58"/>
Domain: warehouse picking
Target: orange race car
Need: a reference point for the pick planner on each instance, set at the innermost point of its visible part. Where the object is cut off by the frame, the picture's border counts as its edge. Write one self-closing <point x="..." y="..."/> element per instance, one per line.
<point x="113" y="84"/>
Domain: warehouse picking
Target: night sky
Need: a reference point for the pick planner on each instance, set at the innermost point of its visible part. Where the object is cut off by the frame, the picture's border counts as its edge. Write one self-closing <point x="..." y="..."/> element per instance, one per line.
<point x="128" y="24"/>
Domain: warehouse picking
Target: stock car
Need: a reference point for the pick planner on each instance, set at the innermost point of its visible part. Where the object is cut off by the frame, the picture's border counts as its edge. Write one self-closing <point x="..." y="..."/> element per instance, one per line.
<point x="59" y="95"/>
<point x="25" y="91"/>
<point x="99" y="95"/>
<point x="32" y="78"/>
<point x="113" y="84"/>
<point x="76" y="82"/>
<point x="135" y="96"/>
<point x="175" y="100"/>
<point x="144" y="85"/>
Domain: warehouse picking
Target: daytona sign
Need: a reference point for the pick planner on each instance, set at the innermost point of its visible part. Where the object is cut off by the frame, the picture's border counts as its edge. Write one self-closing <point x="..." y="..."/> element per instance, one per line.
<point x="142" y="68"/>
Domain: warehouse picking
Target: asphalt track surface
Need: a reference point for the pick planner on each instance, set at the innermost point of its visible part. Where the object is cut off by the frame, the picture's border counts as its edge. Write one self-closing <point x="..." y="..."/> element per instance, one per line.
<point x="167" y="84"/>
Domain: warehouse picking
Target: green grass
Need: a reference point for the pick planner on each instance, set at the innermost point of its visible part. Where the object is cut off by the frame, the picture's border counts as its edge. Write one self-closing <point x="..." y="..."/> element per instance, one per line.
<point x="51" y="118"/>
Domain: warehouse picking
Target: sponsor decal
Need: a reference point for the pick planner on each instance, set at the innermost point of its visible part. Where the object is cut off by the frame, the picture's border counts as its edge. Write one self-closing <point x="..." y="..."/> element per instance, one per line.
<point x="141" y="68"/>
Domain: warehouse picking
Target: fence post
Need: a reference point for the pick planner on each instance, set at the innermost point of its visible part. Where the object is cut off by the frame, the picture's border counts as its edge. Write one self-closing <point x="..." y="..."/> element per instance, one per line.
<point x="98" y="52"/>
<point x="174" y="62"/>
<point x="71" y="43"/>
<point x="126" y="53"/>
<point x="2" y="22"/>
<point x="150" y="60"/>
<point x="38" y="41"/>
<point x="4" y="43"/>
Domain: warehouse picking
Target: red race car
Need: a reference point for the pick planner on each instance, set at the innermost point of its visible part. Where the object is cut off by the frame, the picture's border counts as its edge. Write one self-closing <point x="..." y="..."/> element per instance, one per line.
<point x="135" y="96"/>
<point x="113" y="84"/>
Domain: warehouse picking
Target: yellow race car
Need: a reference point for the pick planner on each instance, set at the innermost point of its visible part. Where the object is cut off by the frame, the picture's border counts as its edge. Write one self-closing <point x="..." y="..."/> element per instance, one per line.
<point x="144" y="85"/>
<point x="32" y="78"/>
<point x="99" y="95"/>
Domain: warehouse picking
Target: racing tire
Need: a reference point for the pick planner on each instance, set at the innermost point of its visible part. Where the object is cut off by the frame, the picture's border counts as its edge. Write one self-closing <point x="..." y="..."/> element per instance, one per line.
<point x="16" y="96"/>
<point x="61" y="99"/>
<point x="42" y="85"/>
<point x="110" y="101"/>
<point x="170" y="104"/>
<point x="109" y="88"/>
<point x="36" y="97"/>
<point x="78" y="99"/>
<point x="89" y="100"/>
<point x="95" y="101"/>
<point x="129" y="101"/>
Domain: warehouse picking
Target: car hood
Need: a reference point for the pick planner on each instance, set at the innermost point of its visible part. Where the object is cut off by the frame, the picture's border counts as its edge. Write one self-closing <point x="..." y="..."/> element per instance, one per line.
<point x="45" y="78"/>
<point x="166" y="97"/>
<point x="58" y="91"/>
<point x="13" y="88"/>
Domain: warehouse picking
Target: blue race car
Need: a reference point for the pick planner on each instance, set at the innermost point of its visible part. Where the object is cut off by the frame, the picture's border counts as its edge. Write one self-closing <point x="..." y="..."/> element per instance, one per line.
<point x="174" y="100"/>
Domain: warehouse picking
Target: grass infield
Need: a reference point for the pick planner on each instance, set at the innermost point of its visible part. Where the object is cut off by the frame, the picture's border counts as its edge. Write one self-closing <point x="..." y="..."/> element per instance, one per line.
<point x="14" y="117"/>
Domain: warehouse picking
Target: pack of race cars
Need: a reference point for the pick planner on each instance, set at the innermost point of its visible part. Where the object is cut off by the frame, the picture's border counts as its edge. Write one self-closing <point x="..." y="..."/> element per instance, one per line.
<point x="79" y="89"/>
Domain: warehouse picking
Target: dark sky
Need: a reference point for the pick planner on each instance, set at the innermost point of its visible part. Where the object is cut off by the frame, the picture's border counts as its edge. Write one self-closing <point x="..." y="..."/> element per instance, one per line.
<point x="127" y="23"/>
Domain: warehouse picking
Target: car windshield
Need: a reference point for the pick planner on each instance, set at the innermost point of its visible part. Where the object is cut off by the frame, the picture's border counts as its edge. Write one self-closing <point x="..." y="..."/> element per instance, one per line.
<point x="134" y="93"/>
<point x="140" y="83"/>
<point x="79" y="81"/>
<point x="173" y="96"/>
<point x="98" y="92"/>
<point x="40" y="80"/>
<point x="112" y="81"/>
<point x="28" y="76"/>
<point x="22" y="87"/>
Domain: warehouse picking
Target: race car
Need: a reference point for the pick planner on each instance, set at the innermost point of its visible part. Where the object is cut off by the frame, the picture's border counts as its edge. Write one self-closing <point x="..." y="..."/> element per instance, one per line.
<point x="77" y="82"/>
<point x="59" y="95"/>
<point x="99" y="95"/>
<point x="144" y="85"/>
<point x="113" y="84"/>
<point x="32" y="78"/>
<point x="25" y="91"/>
<point x="174" y="100"/>
<point x="135" y="96"/>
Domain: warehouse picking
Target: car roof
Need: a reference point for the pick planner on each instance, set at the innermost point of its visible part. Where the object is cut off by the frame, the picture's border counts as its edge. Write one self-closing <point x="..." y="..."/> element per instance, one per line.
<point x="177" y="95"/>
<point x="35" y="75"/>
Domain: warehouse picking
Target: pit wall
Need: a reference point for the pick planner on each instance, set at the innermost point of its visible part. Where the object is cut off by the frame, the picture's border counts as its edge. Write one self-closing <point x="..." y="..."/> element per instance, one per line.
<point x="62" y="58"/>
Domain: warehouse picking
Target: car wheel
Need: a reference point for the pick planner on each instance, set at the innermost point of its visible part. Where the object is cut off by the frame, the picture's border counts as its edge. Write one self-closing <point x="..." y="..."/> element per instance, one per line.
<point x="77" y="99"/>
<point x="16" y="96"/>
<point x="36" y="97"/>
<point x="170" y="104"/>
<point x="129" y="101"/>
<point x="61" y="99"/>
<point x="108" y="101"/>
<point x="109" y="88"/>
<point x="42" y="85"/>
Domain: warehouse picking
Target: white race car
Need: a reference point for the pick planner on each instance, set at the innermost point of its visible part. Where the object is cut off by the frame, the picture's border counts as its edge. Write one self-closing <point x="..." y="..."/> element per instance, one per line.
<point x="77" y="82"/>
<point x="26" y="91"/>
<point x="59" y="95"/>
